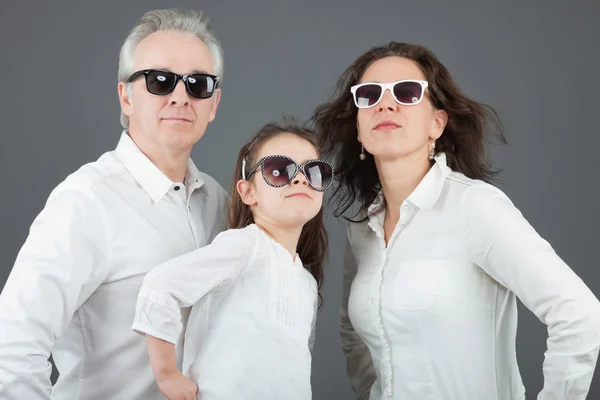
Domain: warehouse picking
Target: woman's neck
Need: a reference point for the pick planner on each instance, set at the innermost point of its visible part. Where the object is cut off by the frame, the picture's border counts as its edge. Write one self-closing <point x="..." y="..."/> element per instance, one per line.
<point x="399" y="178"/>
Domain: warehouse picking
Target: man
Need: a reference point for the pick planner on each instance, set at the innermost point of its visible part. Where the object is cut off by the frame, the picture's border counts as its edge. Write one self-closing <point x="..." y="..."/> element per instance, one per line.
<point x="73" y="288"/>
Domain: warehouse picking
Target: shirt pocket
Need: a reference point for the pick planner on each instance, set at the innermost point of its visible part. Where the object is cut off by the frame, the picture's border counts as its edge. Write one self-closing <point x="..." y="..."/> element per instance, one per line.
<point x="292" y="304"/>
<point x="466" y="285"/>
<point x="416" y="284"/>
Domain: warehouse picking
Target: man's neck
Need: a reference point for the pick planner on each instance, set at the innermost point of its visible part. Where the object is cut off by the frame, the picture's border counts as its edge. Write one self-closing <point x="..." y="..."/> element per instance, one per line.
<point x="171" y="162"/>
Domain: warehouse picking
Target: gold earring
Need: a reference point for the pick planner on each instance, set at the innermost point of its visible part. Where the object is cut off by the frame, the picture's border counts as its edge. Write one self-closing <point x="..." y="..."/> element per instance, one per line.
<point x="432" y="151"/>
<point x="362" y="154"/>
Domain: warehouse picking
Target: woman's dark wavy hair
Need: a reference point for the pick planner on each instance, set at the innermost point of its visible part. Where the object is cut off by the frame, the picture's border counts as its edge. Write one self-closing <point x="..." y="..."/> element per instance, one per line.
<point x="470" y="125"/>
<point x="313" y="243"/>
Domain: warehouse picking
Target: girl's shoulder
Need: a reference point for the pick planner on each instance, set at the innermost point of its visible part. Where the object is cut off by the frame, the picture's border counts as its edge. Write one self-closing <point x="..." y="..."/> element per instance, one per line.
<point x="246" y="237"/>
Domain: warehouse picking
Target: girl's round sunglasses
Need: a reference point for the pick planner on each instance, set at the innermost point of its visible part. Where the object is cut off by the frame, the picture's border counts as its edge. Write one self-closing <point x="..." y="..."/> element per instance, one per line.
<point x="279" y="171"/>
<point x="200" y="86"/>
<point x="406" y="92"/>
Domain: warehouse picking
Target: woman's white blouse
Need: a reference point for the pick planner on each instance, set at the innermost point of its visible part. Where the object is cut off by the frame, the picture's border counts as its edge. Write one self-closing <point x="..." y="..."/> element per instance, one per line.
<point x="251" y="327"/>
<point x="434" y="314"/>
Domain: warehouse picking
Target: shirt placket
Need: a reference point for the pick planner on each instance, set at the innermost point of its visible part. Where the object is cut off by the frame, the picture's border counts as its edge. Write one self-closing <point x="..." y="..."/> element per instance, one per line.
<point x="376" y="223"/>
<point x="194" y="186"/>
<point x="181" y="195"/>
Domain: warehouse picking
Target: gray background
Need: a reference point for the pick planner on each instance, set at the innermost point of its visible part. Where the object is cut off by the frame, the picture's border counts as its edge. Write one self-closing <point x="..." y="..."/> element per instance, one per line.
<point x="536" y="62"/>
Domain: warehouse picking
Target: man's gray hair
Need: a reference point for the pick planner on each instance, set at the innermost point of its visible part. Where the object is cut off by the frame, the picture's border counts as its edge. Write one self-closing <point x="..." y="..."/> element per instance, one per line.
<point x="195" y="23"/>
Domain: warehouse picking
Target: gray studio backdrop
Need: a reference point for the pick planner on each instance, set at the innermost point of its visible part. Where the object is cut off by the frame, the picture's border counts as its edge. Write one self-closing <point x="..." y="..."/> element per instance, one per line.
<point x="536" y="62"/>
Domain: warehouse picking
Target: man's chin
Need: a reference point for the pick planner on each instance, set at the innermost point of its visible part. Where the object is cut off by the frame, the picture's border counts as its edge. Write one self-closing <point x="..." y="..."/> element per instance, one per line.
<point x="179" y="138"/>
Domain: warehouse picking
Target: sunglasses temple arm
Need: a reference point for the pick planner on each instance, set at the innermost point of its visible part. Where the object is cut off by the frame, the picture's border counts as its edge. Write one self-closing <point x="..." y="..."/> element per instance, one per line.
<point x="244" y="168"/>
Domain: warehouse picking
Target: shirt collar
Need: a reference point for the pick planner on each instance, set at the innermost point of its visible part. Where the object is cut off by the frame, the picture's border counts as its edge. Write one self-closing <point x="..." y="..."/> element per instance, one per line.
<point x="193" y="177"/>
<point x="147" y="175"/>
<point x="427" y="191"/>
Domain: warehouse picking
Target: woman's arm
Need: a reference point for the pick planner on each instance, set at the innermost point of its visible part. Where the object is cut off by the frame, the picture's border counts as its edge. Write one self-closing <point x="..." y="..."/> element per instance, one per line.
<point x="359" y="365"/>
<point x="504" y="244"/>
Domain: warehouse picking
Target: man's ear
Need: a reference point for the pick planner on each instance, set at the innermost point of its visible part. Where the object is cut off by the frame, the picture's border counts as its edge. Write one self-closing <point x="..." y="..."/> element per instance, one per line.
<point x="213" y="111"/>
<point x="125" y="99"/>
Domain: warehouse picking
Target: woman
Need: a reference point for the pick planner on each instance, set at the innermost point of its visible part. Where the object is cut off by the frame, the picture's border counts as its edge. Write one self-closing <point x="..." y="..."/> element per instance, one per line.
<point x="437" y="257"/>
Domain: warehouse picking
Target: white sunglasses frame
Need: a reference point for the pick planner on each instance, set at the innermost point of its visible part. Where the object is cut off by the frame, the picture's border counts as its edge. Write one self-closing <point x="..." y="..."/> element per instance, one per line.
<point x="390" y="87"/>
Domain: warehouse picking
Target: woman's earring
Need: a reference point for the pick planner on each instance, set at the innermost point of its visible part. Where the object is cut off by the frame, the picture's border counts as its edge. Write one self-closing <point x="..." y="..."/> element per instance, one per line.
<point x="432" y="151"/>
<point x="362" y="154"/>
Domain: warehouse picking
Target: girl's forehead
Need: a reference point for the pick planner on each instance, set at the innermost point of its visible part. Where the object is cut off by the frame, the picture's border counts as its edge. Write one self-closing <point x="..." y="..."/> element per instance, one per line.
<point x="290" y="145"/>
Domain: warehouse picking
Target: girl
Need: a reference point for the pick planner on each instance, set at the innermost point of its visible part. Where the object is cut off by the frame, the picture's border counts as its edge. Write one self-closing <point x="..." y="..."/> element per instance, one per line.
<point x="255" y="289"/>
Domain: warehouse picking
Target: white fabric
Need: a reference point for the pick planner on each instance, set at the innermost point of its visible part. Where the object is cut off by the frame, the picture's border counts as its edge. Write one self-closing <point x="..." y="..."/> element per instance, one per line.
<point x="251" y="329"/>
<point x="434" y="315"/>
<point x="74" y="285"/>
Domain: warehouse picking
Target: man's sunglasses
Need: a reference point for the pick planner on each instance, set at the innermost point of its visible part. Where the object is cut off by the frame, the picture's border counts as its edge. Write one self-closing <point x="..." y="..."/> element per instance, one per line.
<point x="200" y="86"/>
<point x="279" y="171"/>
<point x="407" y="92"/>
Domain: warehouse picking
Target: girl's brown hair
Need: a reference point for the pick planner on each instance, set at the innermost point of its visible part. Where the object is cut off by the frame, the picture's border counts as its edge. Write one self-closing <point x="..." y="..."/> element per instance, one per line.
<point x="313" y="242"/>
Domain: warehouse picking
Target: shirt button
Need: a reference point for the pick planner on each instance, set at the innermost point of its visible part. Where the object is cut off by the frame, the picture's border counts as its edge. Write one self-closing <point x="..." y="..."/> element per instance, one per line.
<point x="176" y="188"/>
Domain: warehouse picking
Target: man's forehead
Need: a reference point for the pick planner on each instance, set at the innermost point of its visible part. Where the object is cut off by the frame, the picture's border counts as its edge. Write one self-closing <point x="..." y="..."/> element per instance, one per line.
<point x="164" y="67"/>
<point x="174" y="51"/>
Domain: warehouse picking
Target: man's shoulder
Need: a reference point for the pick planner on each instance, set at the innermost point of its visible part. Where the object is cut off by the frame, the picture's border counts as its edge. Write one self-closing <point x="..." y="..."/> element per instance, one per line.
<point x="212" y="186"/>
<point x="89" y="177"/>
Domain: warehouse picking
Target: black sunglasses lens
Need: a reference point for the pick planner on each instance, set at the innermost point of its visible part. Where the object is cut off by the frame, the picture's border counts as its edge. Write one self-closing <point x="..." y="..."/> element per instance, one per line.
<point x="201" y="86"/>
<point x="408" y="92"/>
<point x="160" y="82"/>
<point x="278" y="170"/>
<point x="318" y="174"/>
<point x="367" y="95"/>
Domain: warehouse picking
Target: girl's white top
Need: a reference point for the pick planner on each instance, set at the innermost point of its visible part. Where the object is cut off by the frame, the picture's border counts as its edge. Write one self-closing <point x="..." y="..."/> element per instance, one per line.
<point x="251" y="328"/>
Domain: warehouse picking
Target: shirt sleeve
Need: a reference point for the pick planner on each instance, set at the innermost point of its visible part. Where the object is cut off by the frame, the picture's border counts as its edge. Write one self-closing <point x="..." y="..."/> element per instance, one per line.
<point x="61" y="263"/>
<point x="225" y="201"/>
<point x="184" y="280"/>
<point x="359" y="365"/>
<point x="505" y="245"/>
<point x="313" y="331"/>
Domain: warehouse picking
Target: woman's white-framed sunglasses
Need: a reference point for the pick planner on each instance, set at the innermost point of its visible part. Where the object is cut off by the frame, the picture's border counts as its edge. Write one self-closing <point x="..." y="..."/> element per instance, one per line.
<point x="406" y="92"/>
